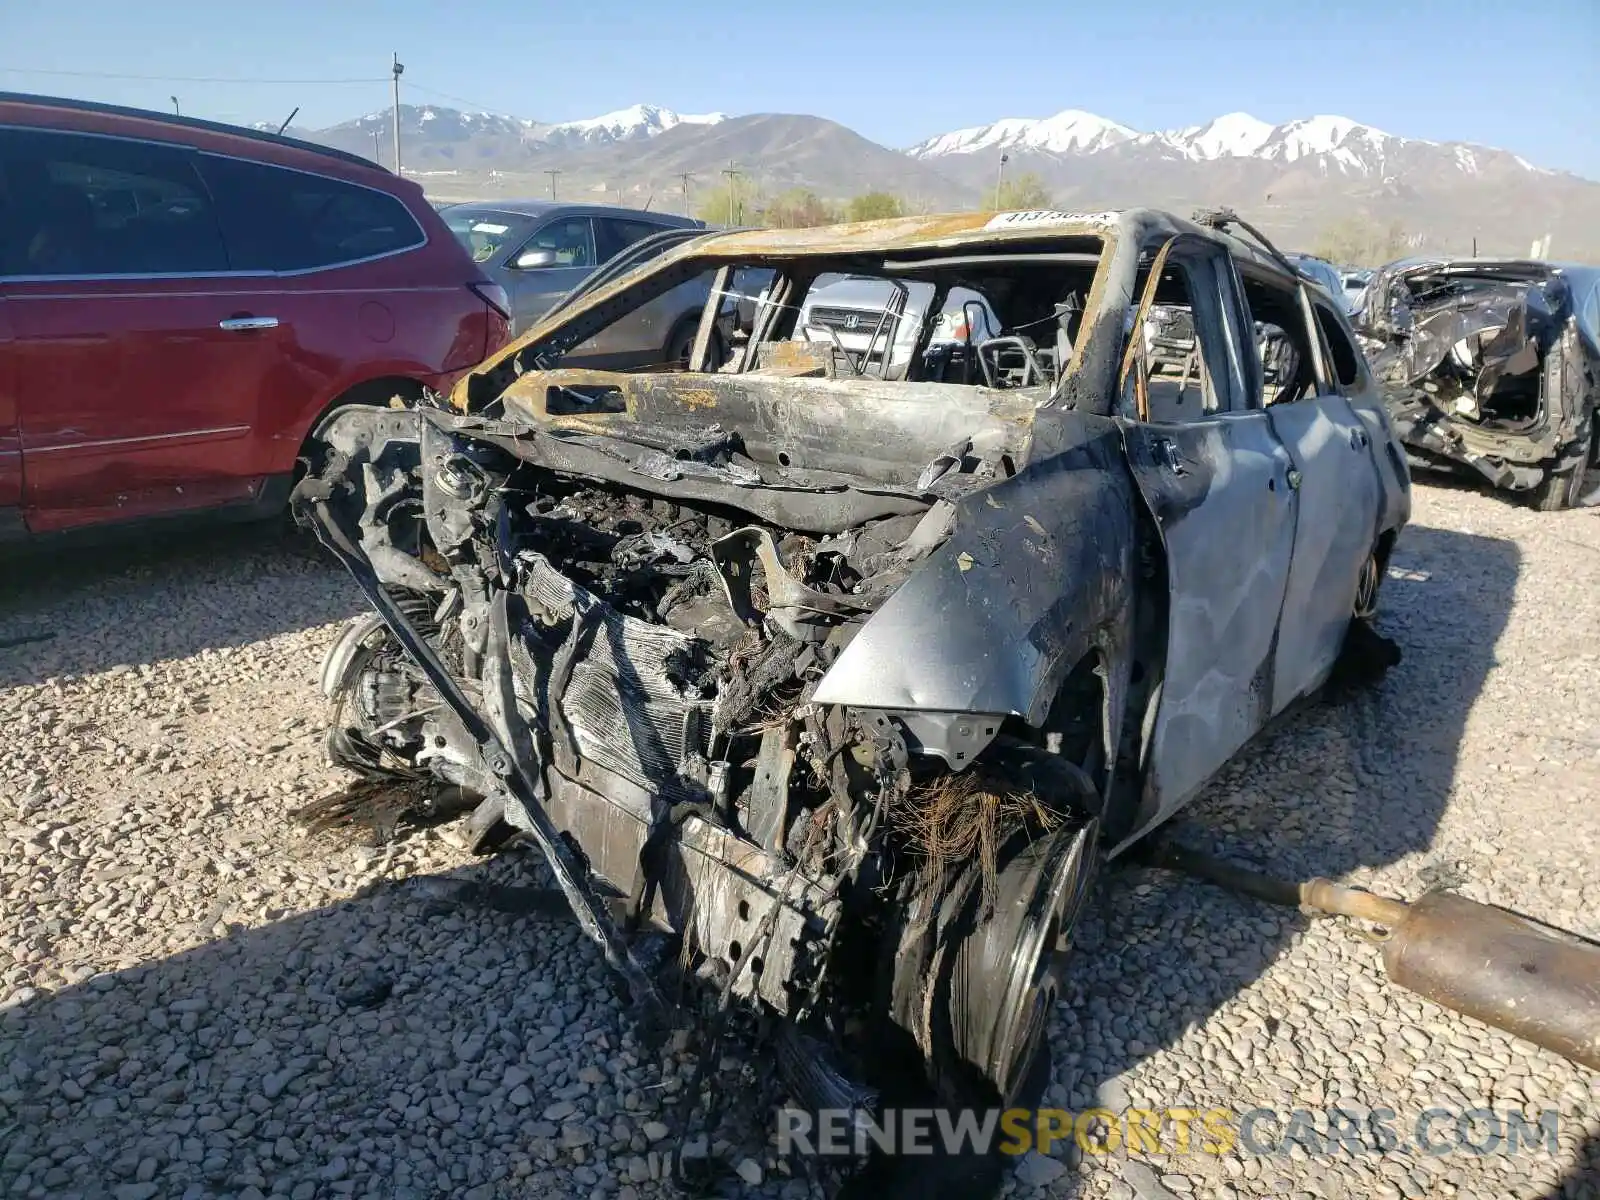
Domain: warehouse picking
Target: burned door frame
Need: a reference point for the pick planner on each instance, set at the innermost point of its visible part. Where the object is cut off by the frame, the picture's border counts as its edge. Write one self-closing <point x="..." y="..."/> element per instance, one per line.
<point x="1216" y="486"/>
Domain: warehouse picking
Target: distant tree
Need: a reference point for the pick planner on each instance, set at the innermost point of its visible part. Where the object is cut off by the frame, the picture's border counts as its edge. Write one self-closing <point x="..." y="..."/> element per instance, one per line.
<point x="874" y="206"/>
<point x="714" y="206"/>
<point x="1361" y="241"/>
<point x="797" y="208"/>
<point x="1026" y="191"/>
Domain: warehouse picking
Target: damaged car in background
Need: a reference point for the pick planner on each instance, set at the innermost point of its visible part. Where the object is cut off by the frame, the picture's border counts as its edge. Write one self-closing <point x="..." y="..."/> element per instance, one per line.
<point x="834" y="689"/>
<point x="1493" y="369"/>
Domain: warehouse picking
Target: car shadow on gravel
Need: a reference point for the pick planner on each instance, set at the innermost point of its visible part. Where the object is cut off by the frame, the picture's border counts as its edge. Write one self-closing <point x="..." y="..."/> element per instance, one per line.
<point x="1356" y="782"/>
<point x="85" y="608"/>
<point x="409" y="1039"/>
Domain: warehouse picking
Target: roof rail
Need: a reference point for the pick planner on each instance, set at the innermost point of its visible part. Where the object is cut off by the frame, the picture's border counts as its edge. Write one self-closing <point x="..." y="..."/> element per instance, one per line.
<point x="1221" y="218"/>
<point x="196" y="123"/>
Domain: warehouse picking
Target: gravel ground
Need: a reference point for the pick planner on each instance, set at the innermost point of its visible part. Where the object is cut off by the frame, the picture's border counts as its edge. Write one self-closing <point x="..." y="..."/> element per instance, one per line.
<point x="196" y="1002"/>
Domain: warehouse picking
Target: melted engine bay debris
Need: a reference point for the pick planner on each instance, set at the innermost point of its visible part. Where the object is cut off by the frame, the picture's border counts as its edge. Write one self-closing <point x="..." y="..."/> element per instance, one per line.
<point x="615" y="655"/>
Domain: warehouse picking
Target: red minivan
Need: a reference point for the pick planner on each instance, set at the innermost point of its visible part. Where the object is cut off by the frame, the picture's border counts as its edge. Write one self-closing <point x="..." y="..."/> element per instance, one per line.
<point x="180" y="301"/>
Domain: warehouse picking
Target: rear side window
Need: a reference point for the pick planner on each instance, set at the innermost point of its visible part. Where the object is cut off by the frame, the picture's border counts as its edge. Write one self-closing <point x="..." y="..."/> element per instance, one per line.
<point x="73" y="204"/>
<point x="613" y="235"/>
<point x="278" y="219"/>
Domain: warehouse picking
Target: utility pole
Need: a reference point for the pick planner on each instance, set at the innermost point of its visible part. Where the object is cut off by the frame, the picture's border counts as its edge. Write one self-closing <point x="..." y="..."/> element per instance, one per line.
<point x="686" y="177"/>
<point x="175" y="111"/>
<point x="397" y="68"/>
<point x="553" y="173"/>
<point x="377" y="149"/>
<point x="1000" y="178"/>
<point x="733" y="173"/>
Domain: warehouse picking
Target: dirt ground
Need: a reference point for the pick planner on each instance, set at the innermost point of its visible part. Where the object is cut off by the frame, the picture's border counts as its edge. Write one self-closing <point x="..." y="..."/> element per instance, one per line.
<point x="196" y="1001"/>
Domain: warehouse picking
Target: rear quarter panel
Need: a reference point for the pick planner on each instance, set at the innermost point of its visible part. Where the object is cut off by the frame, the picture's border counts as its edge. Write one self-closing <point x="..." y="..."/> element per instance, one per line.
<point x="410" y="316"/>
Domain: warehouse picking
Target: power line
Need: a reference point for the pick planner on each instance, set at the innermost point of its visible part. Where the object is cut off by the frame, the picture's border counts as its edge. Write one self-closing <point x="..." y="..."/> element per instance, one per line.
<point x="417" y="87"/>
<point x="182" y="78"/>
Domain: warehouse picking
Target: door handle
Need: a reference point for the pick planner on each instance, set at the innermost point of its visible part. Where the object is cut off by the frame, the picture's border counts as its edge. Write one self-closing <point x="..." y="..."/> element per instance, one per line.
<point x="1358" y="439"/>
<point x="1171" y="457"/>
<point x="241" y="324"/>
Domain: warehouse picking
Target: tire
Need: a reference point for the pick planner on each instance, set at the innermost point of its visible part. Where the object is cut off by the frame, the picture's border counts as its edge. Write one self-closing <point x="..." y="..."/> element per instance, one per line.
<point x="1560" y="489"/>
<point x="1563" y="488"/>
<point x="999" y="981"/>
<point x="680" y="343"/>
<point x="1366" y="654"/>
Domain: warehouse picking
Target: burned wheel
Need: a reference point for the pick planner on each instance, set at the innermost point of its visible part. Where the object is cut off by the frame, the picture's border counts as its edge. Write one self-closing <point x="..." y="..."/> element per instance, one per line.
<point x="1560" y="490"/>
<point x="1366" y="606"/>
<point x="999" y="983"/>
<point x="1564" y="488"/>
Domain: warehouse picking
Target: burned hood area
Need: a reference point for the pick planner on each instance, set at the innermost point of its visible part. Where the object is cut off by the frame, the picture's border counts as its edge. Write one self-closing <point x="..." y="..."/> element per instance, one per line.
<point x="1491" y="368"/>
<point x="793" y="672"/>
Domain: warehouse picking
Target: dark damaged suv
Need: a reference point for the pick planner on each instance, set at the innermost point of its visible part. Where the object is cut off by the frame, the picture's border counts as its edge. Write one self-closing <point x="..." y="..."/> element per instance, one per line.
<point x="1492" y="368"/>
<point x="834" y="678"/>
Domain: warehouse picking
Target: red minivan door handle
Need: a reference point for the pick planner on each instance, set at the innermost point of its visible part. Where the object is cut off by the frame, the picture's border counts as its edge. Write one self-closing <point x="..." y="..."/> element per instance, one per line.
<point x="241" y="324"/>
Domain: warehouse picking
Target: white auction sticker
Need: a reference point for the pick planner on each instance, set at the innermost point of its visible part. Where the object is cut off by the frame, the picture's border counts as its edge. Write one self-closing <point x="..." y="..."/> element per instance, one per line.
<point x="1035" y="218"/>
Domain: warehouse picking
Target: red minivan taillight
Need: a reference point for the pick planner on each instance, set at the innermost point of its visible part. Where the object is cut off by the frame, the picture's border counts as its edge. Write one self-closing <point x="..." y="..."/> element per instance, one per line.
<point x="494" y="296"/>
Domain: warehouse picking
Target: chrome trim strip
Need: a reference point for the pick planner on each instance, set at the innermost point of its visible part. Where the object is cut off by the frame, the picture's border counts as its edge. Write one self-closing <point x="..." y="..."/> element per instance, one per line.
<point x="338" y="266"/>
<point x="187" y="434"/>
<point x="332" y="291"/>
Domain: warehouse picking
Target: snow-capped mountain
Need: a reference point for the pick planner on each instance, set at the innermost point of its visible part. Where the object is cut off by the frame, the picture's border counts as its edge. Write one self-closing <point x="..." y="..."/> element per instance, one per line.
<point x="436" y="139"/>
<point x="1072" y="130"/>
<point x="434" y="121"/>
<point x="431" y="124"/>
<point x="1332" y="144"/>
<point x="625" y="125"/>
<point x="1235" y="135"/>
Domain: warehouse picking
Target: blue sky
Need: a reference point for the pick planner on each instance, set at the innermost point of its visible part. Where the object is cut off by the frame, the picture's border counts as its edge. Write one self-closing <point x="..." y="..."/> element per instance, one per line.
<point x="1519" y="77"/>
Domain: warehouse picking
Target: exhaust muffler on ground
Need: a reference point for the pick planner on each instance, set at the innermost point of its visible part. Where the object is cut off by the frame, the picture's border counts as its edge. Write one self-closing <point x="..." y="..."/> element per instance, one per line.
<point x="1507" y="971"/>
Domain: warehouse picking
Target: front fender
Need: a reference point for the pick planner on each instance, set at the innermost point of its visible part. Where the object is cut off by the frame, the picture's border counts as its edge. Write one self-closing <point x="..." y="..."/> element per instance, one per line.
<point x="1037" y="572"/>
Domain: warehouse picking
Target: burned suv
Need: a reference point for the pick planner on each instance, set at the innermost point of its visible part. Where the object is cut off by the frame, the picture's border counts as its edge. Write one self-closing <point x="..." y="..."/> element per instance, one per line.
<point x="1492" y="368"/>
<point x="846" y="684"/>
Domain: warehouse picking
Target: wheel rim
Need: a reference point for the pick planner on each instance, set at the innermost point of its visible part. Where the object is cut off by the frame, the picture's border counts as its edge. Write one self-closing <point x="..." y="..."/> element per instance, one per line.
<point x="1367" y="589"/>
<point x="1003" y="983"/>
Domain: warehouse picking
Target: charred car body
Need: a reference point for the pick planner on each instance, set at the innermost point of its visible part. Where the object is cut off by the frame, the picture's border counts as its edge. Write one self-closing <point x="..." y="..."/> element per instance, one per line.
<point x="846" y="683"/>
<point x="1492" y="368"/>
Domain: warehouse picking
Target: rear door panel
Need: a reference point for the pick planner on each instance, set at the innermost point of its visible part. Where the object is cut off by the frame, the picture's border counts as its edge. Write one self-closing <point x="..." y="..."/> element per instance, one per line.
<point x="134" y="400"/>
<point x="1340" y="504"/>
<point x="131" y="398"/>
<point x="10" y="432"/>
